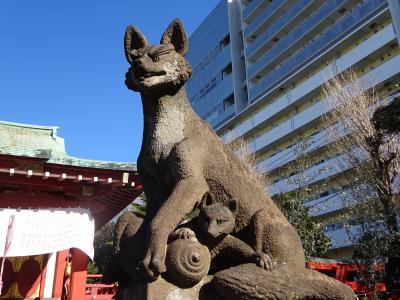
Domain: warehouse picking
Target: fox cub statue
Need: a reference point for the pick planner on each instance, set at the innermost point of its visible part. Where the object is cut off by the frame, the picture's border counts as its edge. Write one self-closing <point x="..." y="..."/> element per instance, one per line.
<point x="213" y="227"/>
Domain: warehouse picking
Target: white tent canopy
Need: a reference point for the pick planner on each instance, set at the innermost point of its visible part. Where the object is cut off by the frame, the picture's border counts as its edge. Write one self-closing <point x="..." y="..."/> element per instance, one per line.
<point x="40" y="231"/>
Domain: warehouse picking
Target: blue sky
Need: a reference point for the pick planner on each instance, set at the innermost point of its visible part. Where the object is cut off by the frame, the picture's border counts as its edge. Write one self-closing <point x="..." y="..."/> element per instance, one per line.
<point x="62" y="63"/>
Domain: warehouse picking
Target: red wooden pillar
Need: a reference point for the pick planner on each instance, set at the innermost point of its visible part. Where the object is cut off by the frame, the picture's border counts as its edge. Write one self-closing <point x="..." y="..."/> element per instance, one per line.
<point x="78" y="276"/>
<point x="61" y="262"/>
<point x="44" y="273"/>
<point x="341" y="272"/>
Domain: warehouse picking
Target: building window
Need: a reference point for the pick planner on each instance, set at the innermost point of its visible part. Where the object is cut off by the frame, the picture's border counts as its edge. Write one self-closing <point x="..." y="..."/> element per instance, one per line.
<point x="334" y="226"/>
<point x="224" y="42"/>
<point x="226" y="71"/>
<point x="206" y="89"/>
<point x="228" y="102"/>
<point x="253" y="37"/>
<point x="206" y="60"/>
<point x="246" y="2"/>
<point x="315" y="133"/>
<point x="324" y="194"/>
<point x="212" y="115"/>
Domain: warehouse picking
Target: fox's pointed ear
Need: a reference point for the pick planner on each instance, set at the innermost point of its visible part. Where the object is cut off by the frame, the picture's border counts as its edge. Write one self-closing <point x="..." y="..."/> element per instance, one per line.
<point x="176" y="35"/>
<point x="133" y="40"/>
<point x="207" y="200"/>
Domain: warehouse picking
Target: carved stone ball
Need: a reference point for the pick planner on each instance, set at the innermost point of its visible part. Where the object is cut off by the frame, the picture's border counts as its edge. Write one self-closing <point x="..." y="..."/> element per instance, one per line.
<point x="187" y="262"/>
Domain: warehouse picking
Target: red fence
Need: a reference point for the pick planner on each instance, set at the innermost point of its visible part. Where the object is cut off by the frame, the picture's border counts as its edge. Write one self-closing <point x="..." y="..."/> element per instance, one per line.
<point x="349" y="274"/>
<point x="98" y="290"/>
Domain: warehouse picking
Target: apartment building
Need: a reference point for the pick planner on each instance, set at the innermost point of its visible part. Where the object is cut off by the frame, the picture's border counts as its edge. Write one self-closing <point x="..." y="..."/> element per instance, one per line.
<point x="258" y="69"/>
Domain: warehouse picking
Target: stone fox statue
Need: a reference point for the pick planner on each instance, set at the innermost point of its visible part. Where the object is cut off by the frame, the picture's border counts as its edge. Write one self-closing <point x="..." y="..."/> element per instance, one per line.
<point x="182" y="158"/>
<point x="127" y="226"/>
<point x="125" y="233"/>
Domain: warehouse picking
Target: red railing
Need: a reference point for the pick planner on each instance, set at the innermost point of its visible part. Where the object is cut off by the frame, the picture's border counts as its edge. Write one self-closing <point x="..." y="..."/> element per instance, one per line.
<point x="347" y="273"/>
<point x="97" y="290"/>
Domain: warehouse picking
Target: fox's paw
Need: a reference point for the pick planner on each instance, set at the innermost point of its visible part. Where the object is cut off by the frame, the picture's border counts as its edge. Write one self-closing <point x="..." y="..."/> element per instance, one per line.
<point x="183" y="234"/>
<point x="265" y="261"/>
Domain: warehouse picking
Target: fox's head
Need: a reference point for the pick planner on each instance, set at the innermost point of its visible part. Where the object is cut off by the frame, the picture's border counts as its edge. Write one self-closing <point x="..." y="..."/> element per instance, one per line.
<point x="157" y="68"/>
<point x="216" y="220"/>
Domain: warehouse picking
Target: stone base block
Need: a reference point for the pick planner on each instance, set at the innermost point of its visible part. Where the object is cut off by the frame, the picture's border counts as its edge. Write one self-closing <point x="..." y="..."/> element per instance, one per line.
<point x="161" y="289"/>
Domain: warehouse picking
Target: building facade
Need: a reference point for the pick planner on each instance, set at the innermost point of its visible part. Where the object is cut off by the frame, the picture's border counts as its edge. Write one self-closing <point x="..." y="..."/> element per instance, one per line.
<point x="258" y="70"/>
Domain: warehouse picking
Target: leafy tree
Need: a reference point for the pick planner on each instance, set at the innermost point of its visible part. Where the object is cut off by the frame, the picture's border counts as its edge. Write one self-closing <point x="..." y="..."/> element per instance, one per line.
<point x="310" y="230"/>
<point x="139" y="207"/>
<point x="103" y="247"/>
<point x="305" y="185"/>
<point x="92" y="269"/>
<point x="104" y="238"/>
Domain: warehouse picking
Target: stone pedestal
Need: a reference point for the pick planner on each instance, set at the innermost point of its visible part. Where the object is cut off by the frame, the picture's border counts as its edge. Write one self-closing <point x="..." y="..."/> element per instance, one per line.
<point x="161" y="289"/>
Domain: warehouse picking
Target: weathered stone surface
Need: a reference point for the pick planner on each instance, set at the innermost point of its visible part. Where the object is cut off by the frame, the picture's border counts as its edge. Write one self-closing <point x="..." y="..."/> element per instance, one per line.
<point x="164" y="290"/>
<point x="126" y="227"/>
<point x="249" y="282"/>
<point x="187" y="262"/>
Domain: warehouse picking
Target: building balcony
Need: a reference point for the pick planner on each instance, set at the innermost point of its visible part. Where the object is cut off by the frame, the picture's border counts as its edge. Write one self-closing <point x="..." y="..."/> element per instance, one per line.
<point x="301" y="91"/>
<point x="223" y="116"/>
<point x="330" y="36"/>
<point x="313" y="175"/>
<point x="381" y="73"/>
<point x="326" y="205"/>
<point x="251" y="9"/>
<point x="288" y="155"/>
<point x="271" y="9"/>
<point x="334" y="201"/>
<point x="276" y="160"/>
<point x="295" y="36"/>
<point x="320" y="171"/>
<point x="290" y="126"/>
<point x="341" y="237"/>
<point x="292" y="17"/>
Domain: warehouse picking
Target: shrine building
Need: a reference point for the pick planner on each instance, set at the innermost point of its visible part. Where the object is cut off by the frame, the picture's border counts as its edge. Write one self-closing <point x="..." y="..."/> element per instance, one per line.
<point x="50" y="206"/>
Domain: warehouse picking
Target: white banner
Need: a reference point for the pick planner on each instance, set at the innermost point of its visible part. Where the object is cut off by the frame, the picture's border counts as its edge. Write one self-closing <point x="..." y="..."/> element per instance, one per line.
<point x="40" y="231"/>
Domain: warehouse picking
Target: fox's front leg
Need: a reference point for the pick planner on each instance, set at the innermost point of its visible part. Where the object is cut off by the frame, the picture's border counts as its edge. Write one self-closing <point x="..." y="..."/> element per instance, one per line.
<point x="187" y="192"/>
<point x="155" y="194"/>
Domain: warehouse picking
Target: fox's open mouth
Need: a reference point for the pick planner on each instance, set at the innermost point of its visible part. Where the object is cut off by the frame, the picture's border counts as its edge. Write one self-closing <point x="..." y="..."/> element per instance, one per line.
<point x="152" y="80"/>
<point x="146" y="75"/>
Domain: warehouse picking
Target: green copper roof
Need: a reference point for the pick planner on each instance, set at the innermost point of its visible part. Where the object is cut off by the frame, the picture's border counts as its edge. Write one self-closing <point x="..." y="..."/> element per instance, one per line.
<point x="42" y="142"/>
